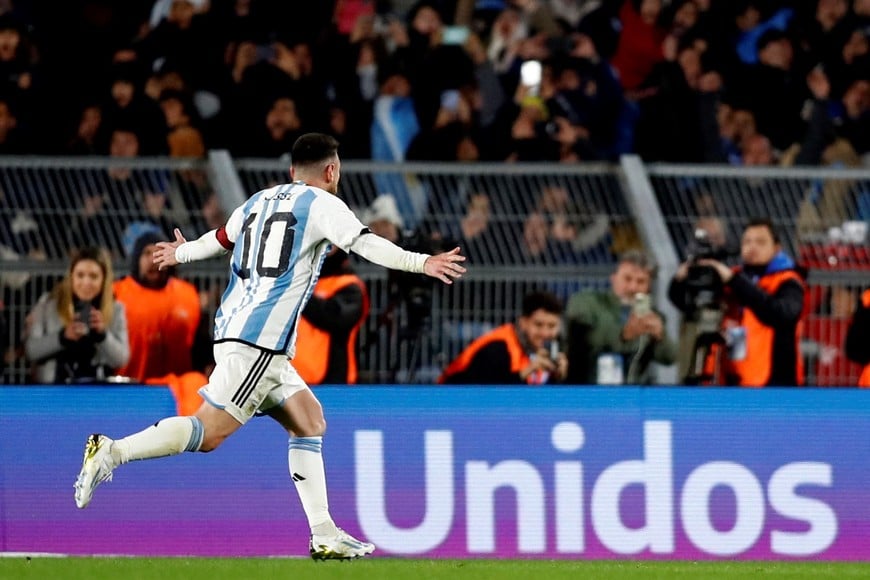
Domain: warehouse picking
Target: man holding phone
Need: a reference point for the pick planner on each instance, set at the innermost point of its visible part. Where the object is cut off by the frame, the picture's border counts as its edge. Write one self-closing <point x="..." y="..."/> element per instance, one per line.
<point x="522" y="352"/>
<point x="614" y="335"/>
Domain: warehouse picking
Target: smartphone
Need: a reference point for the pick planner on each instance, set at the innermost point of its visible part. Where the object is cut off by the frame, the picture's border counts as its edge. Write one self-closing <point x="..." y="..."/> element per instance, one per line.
<point x="554" y="350"/>
<point x="530" y="73"/>
<point x="265" y="52"/>
<point x="454" y="35"/>
<point x="450" y="100"/>
<point x="642" y="305"/>
<point x="530" y="76"/>
<point x="83" y="313"/>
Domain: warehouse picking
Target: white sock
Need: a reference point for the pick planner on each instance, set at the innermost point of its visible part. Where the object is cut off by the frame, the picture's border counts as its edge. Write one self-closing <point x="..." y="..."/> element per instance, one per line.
<point x="306" y="469"/>
<point x="165" y="437"/>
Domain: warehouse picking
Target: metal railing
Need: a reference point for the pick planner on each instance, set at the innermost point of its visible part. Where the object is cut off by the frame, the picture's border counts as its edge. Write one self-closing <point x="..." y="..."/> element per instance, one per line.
<point x="405" y="339"/>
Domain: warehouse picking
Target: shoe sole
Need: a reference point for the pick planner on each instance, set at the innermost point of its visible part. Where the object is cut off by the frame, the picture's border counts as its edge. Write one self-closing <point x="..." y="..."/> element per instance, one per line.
<point x="324" y="555"/>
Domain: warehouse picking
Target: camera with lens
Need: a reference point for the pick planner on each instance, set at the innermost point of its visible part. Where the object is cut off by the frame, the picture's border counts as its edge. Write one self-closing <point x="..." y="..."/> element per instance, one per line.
<point x="415" y="290"/>
<point x="704" y="287"/>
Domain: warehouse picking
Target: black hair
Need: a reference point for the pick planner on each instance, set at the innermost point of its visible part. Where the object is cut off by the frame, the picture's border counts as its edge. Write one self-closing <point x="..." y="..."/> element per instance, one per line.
<point x="763" y="222"/>
<point x="541" y="300"/>
<point x="144" y="240"/>
<point x="313" y="148"/>
<point x="768" y="36"/>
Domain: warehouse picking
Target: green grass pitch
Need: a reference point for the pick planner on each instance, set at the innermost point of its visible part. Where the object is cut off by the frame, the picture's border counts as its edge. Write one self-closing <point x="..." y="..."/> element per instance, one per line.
<point x="20" y="567"/>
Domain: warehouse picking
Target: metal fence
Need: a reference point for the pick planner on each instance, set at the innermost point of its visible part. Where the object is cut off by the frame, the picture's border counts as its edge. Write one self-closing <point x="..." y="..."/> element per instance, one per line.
<point x="503" y="214"/>
<point x="815" y="210"/>
<point x="408" y="337"/>
<point x="522" y="226"/>
<point x="49" y="204"/>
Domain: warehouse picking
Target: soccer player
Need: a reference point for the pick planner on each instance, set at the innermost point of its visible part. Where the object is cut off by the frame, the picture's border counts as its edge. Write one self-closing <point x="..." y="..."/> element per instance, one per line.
<point x="278" y="240"/>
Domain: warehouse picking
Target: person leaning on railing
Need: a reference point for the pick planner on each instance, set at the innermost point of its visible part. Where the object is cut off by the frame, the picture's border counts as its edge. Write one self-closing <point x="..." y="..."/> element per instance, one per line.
<point x="78" y="331"/>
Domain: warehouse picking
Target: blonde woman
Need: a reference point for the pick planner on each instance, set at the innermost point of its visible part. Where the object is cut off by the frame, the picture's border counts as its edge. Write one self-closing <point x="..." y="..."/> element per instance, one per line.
<point x="78" y="331"/>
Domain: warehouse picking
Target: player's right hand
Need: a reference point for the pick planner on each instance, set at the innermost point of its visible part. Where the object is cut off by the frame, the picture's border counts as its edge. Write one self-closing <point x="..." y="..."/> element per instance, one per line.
<point x="164" y="255"/>
<point x="445" y="266"/>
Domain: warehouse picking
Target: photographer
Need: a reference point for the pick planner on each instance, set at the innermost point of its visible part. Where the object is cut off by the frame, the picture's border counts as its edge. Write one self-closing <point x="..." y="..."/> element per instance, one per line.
<point x="524" y="352"/>
<point x="763" y="303"/>
<point x="614" y="335"/>
<point x="407" y="314"/>
<point x="78" y="331"/>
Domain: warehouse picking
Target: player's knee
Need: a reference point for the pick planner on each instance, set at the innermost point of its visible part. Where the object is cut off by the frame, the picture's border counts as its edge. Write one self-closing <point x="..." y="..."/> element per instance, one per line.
<point x="313" y="427"/>
<point x="319" y="426"/>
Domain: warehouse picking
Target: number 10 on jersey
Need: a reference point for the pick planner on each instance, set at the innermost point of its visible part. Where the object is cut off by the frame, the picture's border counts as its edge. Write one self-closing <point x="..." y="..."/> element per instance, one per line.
<point x="272" y="243"/>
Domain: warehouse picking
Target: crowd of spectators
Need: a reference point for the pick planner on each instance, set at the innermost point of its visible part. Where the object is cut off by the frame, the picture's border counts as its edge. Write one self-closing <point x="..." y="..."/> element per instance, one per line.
<point x="745" y="81"/>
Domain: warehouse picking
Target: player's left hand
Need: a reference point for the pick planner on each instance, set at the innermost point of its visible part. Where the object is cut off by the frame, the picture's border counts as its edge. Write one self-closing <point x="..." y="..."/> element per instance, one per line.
<point x="164" y="255"/>
<point x="445" y="266"/>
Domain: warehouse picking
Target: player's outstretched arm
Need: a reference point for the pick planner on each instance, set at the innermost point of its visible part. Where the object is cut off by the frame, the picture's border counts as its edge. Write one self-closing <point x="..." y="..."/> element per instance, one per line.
<point x="383" y="252"/>
<point x="180" y="251"/>
<point x="445" y="266"/>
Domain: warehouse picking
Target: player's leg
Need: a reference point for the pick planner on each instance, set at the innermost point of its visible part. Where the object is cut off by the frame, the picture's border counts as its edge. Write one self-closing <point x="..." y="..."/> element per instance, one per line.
<point x="301" y="414"/>
<point x="166" y="437"/>
<point x="229" y="404"/>
<point x="204" y="431"/>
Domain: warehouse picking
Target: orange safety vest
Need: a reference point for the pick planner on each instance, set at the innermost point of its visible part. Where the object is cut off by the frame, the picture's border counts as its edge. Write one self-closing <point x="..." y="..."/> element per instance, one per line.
<point x="161" y="326"/>
<point x="185" y="389"/>
<point x="313" y="344"/>
<point x="864" y="379"/>
<point x="754" y="370"/>
<point x="506" y="333"/>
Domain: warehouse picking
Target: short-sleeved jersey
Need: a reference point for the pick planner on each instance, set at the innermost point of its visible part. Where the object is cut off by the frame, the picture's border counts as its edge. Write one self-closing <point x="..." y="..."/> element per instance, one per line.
<point x="281" y="236"/>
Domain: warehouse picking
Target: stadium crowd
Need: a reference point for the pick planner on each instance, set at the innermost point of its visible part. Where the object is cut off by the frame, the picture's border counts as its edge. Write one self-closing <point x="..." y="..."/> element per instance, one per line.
<point x="746" y="81"/>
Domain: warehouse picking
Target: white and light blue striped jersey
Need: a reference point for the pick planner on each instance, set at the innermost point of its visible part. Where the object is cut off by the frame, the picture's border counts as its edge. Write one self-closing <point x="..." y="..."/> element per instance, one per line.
<point x="281" y="236"/>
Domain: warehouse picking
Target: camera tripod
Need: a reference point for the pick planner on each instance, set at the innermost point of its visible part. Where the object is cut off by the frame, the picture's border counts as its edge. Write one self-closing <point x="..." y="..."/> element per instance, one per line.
<point x="407" y="320"/>
<point x="708" y="339"/>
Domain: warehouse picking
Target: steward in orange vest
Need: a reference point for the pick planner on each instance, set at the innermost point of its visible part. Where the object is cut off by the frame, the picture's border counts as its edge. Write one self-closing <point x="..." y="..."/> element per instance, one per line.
<point x="163" y="314"/>
<point x="326" y="338"/>
<point x="858" y="338"/>
<point x="769" y="305"/>
<point x="515" y="353"/>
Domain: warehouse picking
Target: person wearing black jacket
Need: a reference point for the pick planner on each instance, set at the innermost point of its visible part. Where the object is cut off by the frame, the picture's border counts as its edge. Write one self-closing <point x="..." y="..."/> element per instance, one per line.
<point x="763" y="311"/>
<point x="858" y="338"/>
<point x="326" y="347"/>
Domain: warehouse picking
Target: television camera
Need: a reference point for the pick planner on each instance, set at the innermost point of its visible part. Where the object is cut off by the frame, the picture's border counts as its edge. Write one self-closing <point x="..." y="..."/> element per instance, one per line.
<point x="703" y="305"/>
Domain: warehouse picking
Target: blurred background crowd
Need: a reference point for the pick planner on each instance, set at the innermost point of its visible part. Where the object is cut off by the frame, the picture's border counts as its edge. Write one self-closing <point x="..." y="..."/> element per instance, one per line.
<point x="737" y="81"/>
